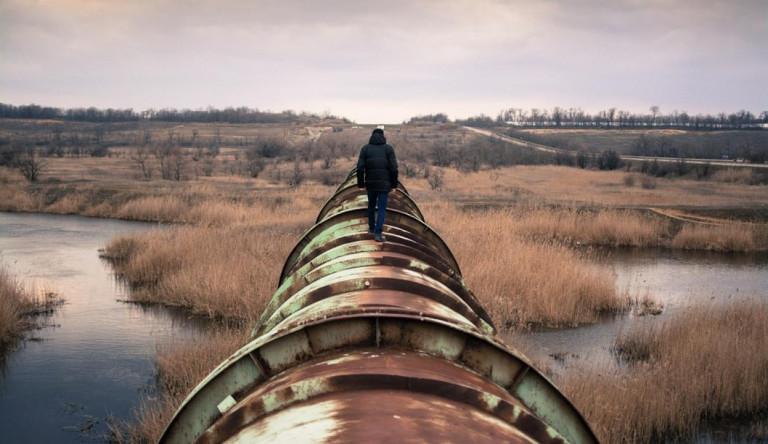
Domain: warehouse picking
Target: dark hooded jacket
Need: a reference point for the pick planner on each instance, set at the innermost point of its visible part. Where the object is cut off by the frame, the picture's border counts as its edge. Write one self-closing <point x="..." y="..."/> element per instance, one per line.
<point x="377" y="165"/>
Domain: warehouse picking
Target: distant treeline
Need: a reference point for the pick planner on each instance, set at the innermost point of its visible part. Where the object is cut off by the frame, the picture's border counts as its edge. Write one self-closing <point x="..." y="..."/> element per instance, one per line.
<point x="611" y="118"/>
<point x="92" y="114"/>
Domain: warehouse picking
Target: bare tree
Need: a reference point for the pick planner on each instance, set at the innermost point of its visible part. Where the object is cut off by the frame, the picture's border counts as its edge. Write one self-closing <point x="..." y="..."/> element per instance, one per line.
<point x="654" y="111"/>
<point x="178" y="163"/>
<point x="255" y="167"/>
<point x="162" y="154"/>
<point x="140" y="158"/>
<point x="56" y="143"/>
<point x="208" y="165"/>
<point x="434" y="178"/>
<point x="146" y="137"/>
<point x="30" y="165"/>
<point x="297" y="177"/>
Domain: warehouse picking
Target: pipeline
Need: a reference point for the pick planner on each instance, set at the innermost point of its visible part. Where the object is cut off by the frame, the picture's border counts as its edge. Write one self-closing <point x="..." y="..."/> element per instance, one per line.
<point x="375" y="342"/>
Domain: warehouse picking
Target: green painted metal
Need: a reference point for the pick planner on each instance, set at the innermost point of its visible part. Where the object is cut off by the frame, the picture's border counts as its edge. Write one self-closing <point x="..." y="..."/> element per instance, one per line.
<point x="355" y="320"/>
<point x="354" y="224"/>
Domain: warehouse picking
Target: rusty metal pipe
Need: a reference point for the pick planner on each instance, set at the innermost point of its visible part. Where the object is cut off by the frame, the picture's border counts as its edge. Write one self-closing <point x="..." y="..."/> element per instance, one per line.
<point x="375" y="342"/>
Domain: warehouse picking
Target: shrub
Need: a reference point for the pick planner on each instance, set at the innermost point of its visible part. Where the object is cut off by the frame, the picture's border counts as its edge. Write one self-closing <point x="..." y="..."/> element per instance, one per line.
<point x="648" y="182"/>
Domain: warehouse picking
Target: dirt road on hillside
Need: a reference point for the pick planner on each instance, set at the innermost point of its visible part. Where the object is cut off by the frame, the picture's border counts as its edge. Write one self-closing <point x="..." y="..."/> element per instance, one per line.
<point x="553" y="150"/>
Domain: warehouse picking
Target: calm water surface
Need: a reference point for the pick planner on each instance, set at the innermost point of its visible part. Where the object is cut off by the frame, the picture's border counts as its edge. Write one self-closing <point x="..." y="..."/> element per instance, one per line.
<point x="678" y="279"/>
<point x="98" y="355"/>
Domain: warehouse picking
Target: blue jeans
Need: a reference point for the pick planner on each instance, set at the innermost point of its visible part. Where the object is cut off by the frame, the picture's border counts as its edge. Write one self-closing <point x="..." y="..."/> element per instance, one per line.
<point x="377" y="199"/>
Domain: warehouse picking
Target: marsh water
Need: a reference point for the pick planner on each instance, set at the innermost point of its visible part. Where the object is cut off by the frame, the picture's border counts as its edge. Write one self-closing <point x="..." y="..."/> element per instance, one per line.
<point x="95" y="357"/>
<point x="678" y="279"/>
<point x="96" y="354"/>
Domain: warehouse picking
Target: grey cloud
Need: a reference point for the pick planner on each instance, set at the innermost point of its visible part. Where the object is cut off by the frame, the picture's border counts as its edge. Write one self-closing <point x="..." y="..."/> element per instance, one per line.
<point x="461" y="55"/>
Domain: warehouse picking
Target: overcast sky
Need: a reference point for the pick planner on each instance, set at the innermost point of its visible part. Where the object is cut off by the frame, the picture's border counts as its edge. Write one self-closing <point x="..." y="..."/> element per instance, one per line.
<point x="387" y="60"/>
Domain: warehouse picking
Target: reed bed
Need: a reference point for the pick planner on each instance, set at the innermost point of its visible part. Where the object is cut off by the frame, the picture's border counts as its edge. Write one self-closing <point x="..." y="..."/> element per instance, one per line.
<point x="523" y="281"/>
<point x="15" y="303"/>
<point x="20" y="306"/>
<point x="603" y="227"/>
<point x="14" y="198"/>
<point x="710" y="363"/>
<point x="226" y="272"/>
<point x="181" y="364"/>
<point x="724" y="237"/>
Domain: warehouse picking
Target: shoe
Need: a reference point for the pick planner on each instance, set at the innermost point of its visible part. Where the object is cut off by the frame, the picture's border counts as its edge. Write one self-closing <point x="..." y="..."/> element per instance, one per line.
<point x="380" y="238"/>
<point x="370" y="230"/>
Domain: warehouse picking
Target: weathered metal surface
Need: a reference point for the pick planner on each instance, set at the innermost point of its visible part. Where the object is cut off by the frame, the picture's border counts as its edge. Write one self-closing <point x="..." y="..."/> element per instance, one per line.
<point x="382" y="384"/>
<point x="349" y="197"/>
<point x="368" y="341"/>
<point x="353" y="225"/>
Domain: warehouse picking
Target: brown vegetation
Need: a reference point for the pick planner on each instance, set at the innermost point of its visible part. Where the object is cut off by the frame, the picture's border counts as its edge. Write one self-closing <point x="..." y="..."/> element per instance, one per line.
<point x="710" y="363"/>
<point x="19" y="307"/>
<point x="725" y="237"/>
<point x="15" y="302"/>
<point x="521" y="280"/>
<point x="219" y="272"/>
<point x="734" y="175"/>
<point x="605" y="227"/>
<point x="560" y="185"/>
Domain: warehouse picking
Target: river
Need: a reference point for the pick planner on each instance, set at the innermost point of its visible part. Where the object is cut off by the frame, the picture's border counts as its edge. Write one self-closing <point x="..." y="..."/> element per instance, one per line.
<point x="96" y="355"/>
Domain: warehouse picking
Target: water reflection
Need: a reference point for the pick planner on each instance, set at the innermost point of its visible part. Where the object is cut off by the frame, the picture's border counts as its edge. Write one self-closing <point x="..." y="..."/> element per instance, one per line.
<point x="99" y="356"/>
<point x="679" y="279"/>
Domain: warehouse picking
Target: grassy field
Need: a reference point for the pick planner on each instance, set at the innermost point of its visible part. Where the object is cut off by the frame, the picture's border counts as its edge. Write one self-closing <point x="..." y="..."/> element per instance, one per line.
<point x="520" y="233"/>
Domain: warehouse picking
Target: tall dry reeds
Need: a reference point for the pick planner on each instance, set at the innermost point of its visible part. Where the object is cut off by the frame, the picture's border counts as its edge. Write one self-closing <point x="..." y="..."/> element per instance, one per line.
<point x="601" y="227"/>
<point x="15" y="302"/>
<point x="206" y="206"/>
<point x="723" y="237"/>
<point x="14" y="197"/>
<point x="180" y="366"/>
<point x="220" y="272"/>
<point x="520" y="280"/>
<point x="710" y="363"/>
<point x="19" y="307"/>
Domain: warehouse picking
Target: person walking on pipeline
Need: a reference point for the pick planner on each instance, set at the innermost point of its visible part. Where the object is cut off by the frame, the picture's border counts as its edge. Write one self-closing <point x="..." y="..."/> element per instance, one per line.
<point x="377" y="173"/>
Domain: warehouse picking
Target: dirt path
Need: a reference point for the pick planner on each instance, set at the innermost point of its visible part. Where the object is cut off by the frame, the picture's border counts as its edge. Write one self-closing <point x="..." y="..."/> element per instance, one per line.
<point x="684" y="216"/>
<point x="553" y="150"/>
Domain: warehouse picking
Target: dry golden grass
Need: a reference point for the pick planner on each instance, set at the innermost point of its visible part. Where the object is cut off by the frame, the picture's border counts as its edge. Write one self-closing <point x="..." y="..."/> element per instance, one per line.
<point x="226" y="272"/>
<point x="710" y="363"/>
<point x="733" y="175"/>
<point x="20" y="306"/>
<point x="576" y="187"/>
<point x="519" y="280"/>
<point x="725" y="237"/>
<point x="606" y="227"/>
<point x="13" y="196"/>
<point x="15" y="303"/>
<point x="181" y="365"/>
<point x="231" y="271"/>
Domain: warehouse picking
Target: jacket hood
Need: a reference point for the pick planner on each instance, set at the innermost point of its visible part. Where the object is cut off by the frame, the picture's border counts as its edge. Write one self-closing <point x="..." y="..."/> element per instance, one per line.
<point x="377" y="139"/>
